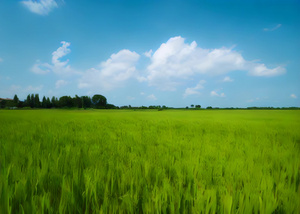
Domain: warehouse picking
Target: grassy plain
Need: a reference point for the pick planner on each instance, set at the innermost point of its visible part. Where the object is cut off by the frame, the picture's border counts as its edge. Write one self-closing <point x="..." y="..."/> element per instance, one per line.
<point x="174" y="161"/>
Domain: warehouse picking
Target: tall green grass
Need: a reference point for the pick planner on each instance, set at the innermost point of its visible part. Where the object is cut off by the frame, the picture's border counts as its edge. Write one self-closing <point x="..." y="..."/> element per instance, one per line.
<point x="102" y="161"/>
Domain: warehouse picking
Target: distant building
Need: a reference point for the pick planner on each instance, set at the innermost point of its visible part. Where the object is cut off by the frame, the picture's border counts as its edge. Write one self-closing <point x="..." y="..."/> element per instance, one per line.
<point x="5" y="99"/>
<point x="6" y="102"/>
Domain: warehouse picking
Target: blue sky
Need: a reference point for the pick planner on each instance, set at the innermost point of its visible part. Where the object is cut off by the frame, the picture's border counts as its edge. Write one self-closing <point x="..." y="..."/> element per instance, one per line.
<point x="174" y="53"/>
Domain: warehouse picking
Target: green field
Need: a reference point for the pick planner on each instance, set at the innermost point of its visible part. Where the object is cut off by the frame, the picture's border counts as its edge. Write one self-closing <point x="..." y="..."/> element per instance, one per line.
<point x="173" y="161"/>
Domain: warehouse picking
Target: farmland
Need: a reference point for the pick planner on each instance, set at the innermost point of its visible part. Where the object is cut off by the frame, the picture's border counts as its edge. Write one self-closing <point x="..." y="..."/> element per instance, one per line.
<point x="172" y="161"/>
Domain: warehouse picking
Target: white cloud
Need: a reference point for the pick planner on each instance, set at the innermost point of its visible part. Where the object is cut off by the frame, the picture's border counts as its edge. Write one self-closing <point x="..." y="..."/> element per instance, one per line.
<point x="130" y="98"/>
<point x="60" y="83"/>
<point x="112" y="73"/>
<point x="151" y="97"/>
<point x="41" y="68"/>
<point x="148" y="53"/>
<point x="175" y="61"/>
<point x="261" y="70"/>
<point x="227" y="79"/>
<point x="215" y="94"/>
<point x="194" y="90"/>
<point x="57" y="66"/>
<point x="1" y="60"/>
<point x="41" y="7"/>
<point x="59" y="53"/>
<point x="274" y="28"/>
<point x="293" y="96"/>
<point x="142" y="93"/>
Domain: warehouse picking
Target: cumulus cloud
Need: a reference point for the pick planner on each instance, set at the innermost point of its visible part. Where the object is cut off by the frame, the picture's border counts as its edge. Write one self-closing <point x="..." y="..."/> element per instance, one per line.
<point x="176" y="61"/>
<point x="272" y="29"/>
<point x="215" y="94"/>
<point x="293" y="96"/>
<point x="41" y="68"/>
<point x="60" y="83"/>
<point x="261" y="70"/>
<point x="148" y="53"/>
<point x="227" y="79"/>
<point x="112" y="73"/>
<point x="57" y="66"/>
<point x="151" y="97"/>
<point x="194" y="90"/>
<point x="41" y="7"/>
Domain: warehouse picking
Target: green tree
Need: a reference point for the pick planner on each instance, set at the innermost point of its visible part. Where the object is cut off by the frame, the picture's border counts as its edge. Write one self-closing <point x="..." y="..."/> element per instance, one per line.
<point x="44" y="104"/>
<point x="65" y="101"/>
<point x="32" y="101"/>
<point x="27" y="101"/>
<point x="99" y="101"/>
<point x="198" y="106"/>
<point x="37" y="103"/>
<point x="192" y="106"/>
<point x="77" y="101"/>
<point x="16" y="100"/>
<point x="54" y="102"/>
<point x="48" y="103"/>
<point x="86" y="102"/>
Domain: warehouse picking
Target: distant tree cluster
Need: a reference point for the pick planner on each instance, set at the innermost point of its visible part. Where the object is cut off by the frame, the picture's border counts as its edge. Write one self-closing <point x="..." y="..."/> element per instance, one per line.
<point x="33" y="101"/>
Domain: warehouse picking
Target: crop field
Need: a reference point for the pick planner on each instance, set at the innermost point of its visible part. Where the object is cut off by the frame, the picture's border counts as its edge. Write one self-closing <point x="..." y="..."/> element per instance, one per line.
<point x="171" y="161"/>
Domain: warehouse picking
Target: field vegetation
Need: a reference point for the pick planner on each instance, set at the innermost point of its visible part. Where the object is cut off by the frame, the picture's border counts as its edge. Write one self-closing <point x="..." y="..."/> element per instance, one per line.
<point x="146" y="161"/>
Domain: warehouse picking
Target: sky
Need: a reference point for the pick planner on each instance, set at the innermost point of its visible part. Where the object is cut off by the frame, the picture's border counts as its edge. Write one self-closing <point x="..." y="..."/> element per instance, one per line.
<point x="153" y="52"/>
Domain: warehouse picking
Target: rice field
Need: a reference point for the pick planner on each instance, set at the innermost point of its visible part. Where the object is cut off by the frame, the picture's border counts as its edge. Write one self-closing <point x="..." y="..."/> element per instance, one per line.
<point x="173" y="161"/>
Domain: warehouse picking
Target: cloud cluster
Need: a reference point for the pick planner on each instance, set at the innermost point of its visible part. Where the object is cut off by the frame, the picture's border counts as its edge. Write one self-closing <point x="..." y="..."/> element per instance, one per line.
<point x="177" y="60"/>
<point x="111" y="73"/>
<point x="173" y="63"/>
<point x="194" y="90"/>
<point x="216" y="94"/>
<point x="41" y="7"/>
<point x="151" y="97"/>
<point x="227" y="79"/>
<point x="293" y="96"/>
<point x="57" y="66"/>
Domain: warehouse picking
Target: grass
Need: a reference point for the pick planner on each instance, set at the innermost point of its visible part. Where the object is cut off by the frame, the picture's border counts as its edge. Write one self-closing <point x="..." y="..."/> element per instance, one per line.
<point x="114" y="161"/>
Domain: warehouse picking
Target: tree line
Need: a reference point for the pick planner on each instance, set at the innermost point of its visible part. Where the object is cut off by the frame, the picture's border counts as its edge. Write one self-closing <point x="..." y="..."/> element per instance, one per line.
<point x="97" y="101"/>
<point x="33" y="101"/>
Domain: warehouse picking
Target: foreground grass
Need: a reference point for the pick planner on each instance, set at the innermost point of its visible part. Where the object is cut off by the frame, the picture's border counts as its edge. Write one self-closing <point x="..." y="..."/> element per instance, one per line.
<point x="59" y="161"/>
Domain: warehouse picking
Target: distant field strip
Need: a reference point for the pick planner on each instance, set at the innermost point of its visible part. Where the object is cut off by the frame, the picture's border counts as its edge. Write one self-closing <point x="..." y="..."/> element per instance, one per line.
<point x="172" y="161"/>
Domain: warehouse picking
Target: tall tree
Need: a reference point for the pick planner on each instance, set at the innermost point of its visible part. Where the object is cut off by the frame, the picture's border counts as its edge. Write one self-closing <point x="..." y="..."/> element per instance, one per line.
<point x="44" y="104"/>
<point x="53" y="102"/>
<point x="65" y="101"/>
<point x="77" y="101"/>
<point x="99" y="101"/>
<point x="86" y="102"/>
<point x="48" y="103"/>
<point x="32" y="101"/>
<point x="37" y="103"/>
<point x="16" y="100"/>
<point x="27" y="101"/>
